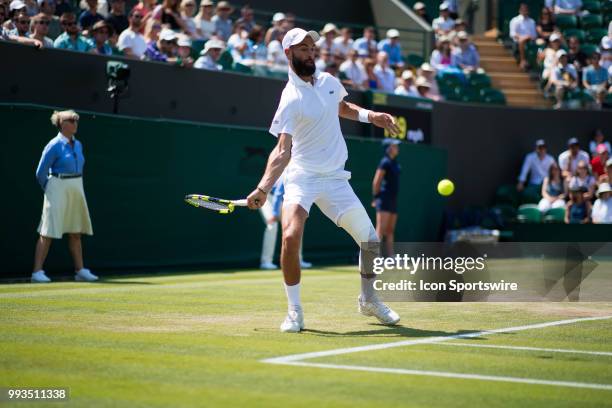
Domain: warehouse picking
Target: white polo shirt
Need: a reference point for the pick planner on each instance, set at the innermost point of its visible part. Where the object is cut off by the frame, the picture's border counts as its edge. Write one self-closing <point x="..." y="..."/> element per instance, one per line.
<point x="309" y="113"/>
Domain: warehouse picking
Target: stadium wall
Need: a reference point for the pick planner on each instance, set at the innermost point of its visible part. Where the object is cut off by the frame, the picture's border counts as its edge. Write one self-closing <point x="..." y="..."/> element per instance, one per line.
<point x="138" y="170"/>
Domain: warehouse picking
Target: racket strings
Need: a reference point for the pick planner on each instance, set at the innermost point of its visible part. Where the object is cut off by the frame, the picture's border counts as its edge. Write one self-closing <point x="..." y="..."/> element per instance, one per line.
<point x="208" y="204"/>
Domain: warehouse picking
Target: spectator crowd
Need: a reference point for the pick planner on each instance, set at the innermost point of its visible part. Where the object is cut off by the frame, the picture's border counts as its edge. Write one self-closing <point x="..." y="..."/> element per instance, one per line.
<point x="578" y="180"/>
<point x="175" y="31"/>
<point x="570" y="59"/>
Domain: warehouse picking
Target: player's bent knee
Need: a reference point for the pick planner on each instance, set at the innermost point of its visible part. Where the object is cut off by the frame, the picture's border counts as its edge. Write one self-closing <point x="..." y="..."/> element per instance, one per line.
<point x="292" y="240"/>
<point x="359" y="226"/>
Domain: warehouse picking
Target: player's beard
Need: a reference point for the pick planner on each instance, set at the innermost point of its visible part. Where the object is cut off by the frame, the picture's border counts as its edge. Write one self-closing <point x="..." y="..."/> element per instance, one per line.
<point x="301" y="68"/>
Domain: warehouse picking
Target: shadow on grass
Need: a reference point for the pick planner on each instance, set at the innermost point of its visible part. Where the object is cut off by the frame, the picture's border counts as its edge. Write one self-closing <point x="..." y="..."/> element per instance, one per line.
<point x="393" y="331"/>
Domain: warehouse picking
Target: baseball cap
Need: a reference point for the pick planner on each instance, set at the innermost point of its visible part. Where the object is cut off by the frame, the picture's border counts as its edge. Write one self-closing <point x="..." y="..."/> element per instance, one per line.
<point x="278" y="17"/>
<point x="426" y="66"/>
<point x="555" y="37"/>
<point x="328" y="28"/>
<point x="407" y="74"/>
<point x="296" y="36"/>
<point x="603" y="188"/>
<point x="16" y="5"/>
<point x="422" y="82"/>
<point x="560" y="53"/>
<point x="389" y="141"/>
<point x="167" y="35"/>
<point x="572" y="141"/>
<point x="206" y="3"/>
<point x="418" y="6"/>
<point x="212" y="44"/>
<point x="393" y="33"/>
<point x="184" y="41"/>
<point x="462" y="35"/>
<point x="224" y="5"/>
<point x="601" y="148"/>
<point x="540" y="142"/>
<point x="443" y="6"/>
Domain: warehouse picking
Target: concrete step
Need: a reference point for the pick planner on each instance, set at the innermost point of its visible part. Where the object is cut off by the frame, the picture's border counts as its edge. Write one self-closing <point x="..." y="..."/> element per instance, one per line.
<point x="500" y="64"/>
<point x="523" y="92"/>
<point x="527" y="100"/>
<point x="492" y="52"/>
<point x="511" y="83"/>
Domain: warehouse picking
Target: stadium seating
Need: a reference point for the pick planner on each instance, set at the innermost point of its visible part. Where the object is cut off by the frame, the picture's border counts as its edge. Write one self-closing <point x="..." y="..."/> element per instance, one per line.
<point x="595" y="34"/>
<point x="588" y="48"/>
<point x="493" y="96"/>
<point x="575" y="32"/>
<point x="479" y="81"/>
<point x="414" y="60"/>
<point x="529" y="213"/>
<point x="565" y="22"/>
<point x="507" y="194"/>
<point x="555" y="215"/>
<point x="591" y="21"/>
<point x="592" y="6"/>
<point x="531" y="195"/>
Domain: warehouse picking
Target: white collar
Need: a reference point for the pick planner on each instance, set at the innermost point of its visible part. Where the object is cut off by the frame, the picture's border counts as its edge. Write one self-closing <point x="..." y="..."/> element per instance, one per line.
<point x="297" y="81"/>
<point x="64" y="139"/>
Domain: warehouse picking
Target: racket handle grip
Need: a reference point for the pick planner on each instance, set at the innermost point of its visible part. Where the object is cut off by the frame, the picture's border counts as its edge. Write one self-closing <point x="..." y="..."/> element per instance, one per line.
<point x="240" y="203"/>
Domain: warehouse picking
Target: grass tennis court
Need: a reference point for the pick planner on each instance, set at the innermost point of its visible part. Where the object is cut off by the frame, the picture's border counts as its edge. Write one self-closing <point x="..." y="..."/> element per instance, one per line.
<point x="199" y="339"/>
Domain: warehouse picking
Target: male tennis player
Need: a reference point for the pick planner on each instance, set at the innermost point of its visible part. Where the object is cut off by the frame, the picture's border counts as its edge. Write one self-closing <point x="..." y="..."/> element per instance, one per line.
<point x="312" y="148"/>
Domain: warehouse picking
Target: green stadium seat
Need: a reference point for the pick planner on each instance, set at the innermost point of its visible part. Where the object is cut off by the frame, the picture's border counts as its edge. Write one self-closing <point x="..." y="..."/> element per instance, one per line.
<point x="492" y="96"/>
<point x="414" y="60"/>
<point x="588" y="48"/>
<point x="592" y="6"/>
<point x="468" y="95"/>
<point x="565" y="22"/>
<point x="529" y="213"/>
<point x="606" y="7"/>
<point x="226" y="60"/>
<point x="238" y="67"/>
<point x="575" y="32"/>
<point x="531" y="195"/>
<point x="579" y="95"/>
<point x="591" y="21"/>
<point x="555" y="215"/>
<point x="507" y="194"/>
<point x="479" y="81"/>
<point x="506" y="212"/>
<point x="594" y="35"/>
<point x="196" y="47"/>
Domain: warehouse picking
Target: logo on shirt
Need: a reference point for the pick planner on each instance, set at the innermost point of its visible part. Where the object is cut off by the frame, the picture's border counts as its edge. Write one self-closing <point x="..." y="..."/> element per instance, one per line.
<point x="331" y="92"/>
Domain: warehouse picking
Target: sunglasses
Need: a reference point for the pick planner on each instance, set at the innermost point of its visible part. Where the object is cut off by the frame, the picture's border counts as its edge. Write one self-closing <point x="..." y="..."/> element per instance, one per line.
<point x="43" y="22"/>
<point x="68" y="23"/>
<point x="137" y="16"/>
<point x="23" y="21"/>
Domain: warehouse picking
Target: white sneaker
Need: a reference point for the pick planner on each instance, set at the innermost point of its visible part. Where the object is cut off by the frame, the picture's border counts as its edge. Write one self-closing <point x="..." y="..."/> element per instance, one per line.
<point x="294" y="322"/>
<point x="305" y="265"/>
<point x="268" y="266"/>
<point x="40" y="277"/>
<point x="85" y="275"/>
<point x="379" y="310"/>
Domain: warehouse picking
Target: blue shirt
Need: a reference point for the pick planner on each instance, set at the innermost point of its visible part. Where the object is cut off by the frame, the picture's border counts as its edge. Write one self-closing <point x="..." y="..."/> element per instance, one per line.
<point x="394" y="51"/>
<point x="469" y="57"/>
<point x="153" y="53"/>
<point x="363" y="46"/>
<point x="59" y="156"/>
<point x="390" y="184"/>
<point x="595" y="76"/>
<point x="65" y="42"/>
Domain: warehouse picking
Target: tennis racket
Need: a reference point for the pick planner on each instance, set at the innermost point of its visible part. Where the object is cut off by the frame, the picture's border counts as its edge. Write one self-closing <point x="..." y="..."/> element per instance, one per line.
<point x="215" y="204"/>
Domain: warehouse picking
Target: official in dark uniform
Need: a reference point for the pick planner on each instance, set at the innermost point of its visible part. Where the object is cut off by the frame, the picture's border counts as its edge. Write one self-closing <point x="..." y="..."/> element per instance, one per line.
<point x="385" y="188"/>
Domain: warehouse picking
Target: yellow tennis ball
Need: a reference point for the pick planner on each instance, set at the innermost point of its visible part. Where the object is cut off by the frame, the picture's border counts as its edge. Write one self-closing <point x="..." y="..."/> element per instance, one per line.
<point x="446" y="187"/>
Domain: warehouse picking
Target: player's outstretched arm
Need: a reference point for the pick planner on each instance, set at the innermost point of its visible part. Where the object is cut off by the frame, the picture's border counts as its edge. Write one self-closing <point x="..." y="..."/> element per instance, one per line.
<point x="383" y="120"/>
<point x="277" y="161"/>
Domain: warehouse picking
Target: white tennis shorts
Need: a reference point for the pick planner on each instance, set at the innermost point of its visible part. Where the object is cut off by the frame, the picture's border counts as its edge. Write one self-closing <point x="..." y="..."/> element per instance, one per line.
<point x="331" y="193"/>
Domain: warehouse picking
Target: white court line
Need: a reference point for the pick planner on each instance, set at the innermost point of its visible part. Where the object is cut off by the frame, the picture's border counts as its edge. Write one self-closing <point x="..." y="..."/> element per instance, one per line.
<point x="427" y="340"/>
<point x="297" y="359"/>
<point x="457" y="375"/>
<point x="552" y="350"/>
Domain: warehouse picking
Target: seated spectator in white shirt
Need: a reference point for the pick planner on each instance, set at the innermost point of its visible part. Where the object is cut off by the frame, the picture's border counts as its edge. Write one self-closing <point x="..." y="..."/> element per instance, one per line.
<point x="237" y="42"/>
<point x="366" y="46"/>
<point x="384" y="74"/>
<point x="40" y="27"/>
<point x="598" y="138"/>
<point x="423" y="87"/>
<point x="536" y="165"/>
<point x="548" y="57"/>
<point x="568" y="160"/>
<point x="443" y="24"/>
<point x="522" y="31"/>
<point x="554" y="190"/>
<point x="210" y="55"/>
<point x="406" y="87"/>
<point x="353" y="71"/>
<point x="324" y="58"/>
<point x="466" y="55"/>
<point x="344" y="42"/>
<point x="131" y="42"/>
<point x="328" y="34"/>
<point x="564" y="6"/>
<point x="205" y="27"/>
<point x="602" y="209"/>
<point x="584" y="179"/>
<point x="429" y="73"/>
<point x="276" y="55"/>
<point x="564" y="77"/>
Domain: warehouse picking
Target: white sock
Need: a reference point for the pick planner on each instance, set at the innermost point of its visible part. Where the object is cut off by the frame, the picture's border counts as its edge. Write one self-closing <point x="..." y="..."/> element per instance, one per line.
<point x="293" y="296"/>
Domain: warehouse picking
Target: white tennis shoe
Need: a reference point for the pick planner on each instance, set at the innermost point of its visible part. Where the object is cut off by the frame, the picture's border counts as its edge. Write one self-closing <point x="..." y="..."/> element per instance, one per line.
<point x="85" y="275"/>
<point x="294" y="322"/>
<point x="268" y="266"/>
<point x="40" y="277"/>
<point x="305" y="265"/>
<point x="379" y="310"/>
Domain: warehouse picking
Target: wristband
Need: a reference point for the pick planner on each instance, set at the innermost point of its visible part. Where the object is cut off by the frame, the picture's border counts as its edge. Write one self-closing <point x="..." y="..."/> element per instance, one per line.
<point x="364" y="115"/>
<point x="262" y="190"/>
